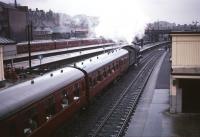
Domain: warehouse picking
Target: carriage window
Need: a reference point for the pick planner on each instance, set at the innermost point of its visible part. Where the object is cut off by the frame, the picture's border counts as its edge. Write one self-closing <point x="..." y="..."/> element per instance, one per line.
<point x="117" y="65"/>
<point x="12" y="129"/>
<point x="31" y="122"/>
<point x="65" y="99"/>
<point x="104" y="72"/>
<point x="94" y="81"/>
<point x="76" y="91"/>
<point x="99" y="76"/>
<point x="82" y="85"/>
<point x="90" y="82"/>
<point x="109" y="69"/>
<point x="113" y="69"/>
<point x="50" y="108"/>
<point x="121" y="62"/>
<point x="125" y="60"/>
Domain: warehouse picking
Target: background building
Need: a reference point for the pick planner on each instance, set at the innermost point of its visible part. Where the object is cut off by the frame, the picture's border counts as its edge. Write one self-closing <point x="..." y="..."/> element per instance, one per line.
<point x="13" y="21"/>
<point x="3" y="43"/>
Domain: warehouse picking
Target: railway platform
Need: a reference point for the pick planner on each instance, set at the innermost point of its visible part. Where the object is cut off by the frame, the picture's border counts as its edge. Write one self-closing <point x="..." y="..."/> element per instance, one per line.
<point x="152" y="117"/>
<point x="69" y="57"/>
<point x="34" y="55"/>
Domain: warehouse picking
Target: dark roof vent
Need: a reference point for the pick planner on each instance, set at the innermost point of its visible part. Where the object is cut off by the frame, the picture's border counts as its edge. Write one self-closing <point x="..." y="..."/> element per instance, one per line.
<point x="82" y="63"/>
<point x="51" y="74"/>
<point x="32" y="81"/>
<point x="61" y="71"/>
<point x="90" y="60"/>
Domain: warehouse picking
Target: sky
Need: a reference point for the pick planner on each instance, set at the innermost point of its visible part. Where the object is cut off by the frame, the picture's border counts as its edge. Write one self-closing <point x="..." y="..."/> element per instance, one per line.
<point x="123" y="18"/>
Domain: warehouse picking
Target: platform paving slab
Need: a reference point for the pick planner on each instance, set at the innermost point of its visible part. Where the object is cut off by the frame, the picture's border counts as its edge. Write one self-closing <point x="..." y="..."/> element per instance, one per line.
<point x="152" y="118"/>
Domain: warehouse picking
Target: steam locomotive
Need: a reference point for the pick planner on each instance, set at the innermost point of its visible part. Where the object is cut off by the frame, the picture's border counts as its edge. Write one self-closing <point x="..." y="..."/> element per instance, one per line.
<point x="37" y="107"/>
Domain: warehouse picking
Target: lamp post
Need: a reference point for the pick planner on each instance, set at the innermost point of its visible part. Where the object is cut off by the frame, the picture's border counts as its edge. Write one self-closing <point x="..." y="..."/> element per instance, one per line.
<point x="40" y="57"/>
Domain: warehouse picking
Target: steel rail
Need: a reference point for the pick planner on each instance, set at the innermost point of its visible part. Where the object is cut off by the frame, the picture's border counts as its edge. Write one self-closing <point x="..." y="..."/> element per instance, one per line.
<point x="125" y="91"/>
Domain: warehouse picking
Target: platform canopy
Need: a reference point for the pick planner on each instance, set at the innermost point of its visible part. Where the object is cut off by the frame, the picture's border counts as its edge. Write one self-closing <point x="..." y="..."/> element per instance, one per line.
<point x="6" y="41"/>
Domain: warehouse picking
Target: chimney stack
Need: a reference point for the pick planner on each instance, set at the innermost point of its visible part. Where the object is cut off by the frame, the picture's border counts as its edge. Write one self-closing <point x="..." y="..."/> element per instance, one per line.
<point x="15" y="3"/>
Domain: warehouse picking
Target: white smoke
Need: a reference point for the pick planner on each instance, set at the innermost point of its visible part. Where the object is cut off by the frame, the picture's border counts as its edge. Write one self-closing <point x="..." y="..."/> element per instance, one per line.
<point x="118" y="19"/>
<point x="124" y="20"/>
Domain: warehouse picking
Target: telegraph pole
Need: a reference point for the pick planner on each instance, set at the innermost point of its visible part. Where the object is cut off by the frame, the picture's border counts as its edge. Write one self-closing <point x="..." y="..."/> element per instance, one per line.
<point x="29" y="27"/>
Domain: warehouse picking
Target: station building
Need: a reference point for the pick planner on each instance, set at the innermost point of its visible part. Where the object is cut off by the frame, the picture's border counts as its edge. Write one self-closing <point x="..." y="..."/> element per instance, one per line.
<point x="13" y="21"/>
<point x="3" y="43"/>
<point x="185" y="73"/>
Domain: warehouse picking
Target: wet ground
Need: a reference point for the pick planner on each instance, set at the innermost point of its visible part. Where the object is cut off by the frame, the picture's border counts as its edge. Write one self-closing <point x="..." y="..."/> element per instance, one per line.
<point x="152" y="117"/>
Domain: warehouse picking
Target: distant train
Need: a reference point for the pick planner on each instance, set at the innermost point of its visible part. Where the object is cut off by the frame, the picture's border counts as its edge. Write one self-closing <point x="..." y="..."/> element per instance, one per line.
<point x="59" y="44"/>
<point x="37" y="107"/>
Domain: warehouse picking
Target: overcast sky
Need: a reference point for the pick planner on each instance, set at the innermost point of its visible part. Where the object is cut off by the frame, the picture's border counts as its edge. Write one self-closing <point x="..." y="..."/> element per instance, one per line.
<point x="134" y="14"/>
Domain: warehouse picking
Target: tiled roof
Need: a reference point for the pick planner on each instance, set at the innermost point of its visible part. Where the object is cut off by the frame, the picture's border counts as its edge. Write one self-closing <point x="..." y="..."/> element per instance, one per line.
<point x="5" y="41"/>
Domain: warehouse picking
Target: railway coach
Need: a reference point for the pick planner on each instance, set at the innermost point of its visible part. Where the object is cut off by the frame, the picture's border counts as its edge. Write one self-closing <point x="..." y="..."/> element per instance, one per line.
<point x="58" y="44"/>
<point x="37" y="107"/>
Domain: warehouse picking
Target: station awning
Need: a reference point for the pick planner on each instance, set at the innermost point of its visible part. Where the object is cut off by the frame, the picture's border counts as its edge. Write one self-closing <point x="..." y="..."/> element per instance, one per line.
<point x="6" y="41"/>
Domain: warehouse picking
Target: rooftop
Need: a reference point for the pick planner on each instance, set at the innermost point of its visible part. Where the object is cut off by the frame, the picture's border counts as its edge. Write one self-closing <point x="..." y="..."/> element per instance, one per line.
<point x="6" y="41"/>
<point x="185" y="33"/>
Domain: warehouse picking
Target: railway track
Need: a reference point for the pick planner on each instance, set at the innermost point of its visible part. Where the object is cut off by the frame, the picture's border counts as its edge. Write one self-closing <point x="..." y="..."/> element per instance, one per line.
<point x="114" y="122"/>
<point x="147" y="56"/>
<point x="87" y="121"/>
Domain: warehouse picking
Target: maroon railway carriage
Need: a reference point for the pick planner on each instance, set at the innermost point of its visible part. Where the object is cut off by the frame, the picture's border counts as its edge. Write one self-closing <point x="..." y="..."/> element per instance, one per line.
<point x="103" y="69"/>
<point x="36" y="108"/>
<point x="35" y="46"/>
<point x="57" y="44"/>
